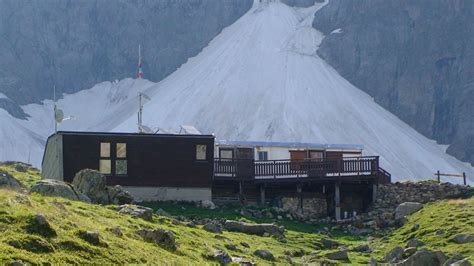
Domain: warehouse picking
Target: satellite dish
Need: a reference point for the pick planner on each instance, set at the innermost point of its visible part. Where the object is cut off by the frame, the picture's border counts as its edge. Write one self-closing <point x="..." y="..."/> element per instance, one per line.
<point x="58" y="115"/>
<point x="146" y="97"/>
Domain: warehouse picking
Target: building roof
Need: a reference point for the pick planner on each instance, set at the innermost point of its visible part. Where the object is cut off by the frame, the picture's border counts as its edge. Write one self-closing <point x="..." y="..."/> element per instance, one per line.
<point x="84" y="133"/>
<point x="289" y="144"/>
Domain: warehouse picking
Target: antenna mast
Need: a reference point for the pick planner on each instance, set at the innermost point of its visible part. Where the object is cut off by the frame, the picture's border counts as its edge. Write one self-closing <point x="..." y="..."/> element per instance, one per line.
<point x="54" y="103"/>
<point x="140" y="72"/>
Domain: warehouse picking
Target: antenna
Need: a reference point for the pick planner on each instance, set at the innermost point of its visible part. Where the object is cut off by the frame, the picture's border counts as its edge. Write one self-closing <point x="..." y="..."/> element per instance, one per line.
<point x="141" y="128"/>
<point x="140" y="72"/>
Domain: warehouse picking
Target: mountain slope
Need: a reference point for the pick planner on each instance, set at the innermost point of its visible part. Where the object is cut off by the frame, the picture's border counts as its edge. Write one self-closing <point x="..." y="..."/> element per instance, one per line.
<point x="260" y="79"/>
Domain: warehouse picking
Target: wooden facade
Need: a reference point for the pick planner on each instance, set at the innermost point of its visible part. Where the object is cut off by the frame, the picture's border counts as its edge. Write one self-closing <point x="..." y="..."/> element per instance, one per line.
<point x="146" y="160"/>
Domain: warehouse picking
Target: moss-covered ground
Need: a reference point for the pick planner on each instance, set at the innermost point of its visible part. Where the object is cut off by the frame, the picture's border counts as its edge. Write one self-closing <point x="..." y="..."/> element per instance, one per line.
<point x="20" y="240"/>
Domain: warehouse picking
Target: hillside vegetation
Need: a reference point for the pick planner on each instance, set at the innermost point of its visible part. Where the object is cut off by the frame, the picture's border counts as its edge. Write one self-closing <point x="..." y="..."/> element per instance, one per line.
<point x="65" y="243"/>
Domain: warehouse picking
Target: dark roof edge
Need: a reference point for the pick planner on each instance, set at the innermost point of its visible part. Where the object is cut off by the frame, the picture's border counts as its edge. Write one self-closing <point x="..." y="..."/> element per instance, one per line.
<point x="90" y="133"/>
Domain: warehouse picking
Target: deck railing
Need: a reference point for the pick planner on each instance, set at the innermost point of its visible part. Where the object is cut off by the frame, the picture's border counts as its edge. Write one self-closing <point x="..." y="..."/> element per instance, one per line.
<point x="360" y="166"/>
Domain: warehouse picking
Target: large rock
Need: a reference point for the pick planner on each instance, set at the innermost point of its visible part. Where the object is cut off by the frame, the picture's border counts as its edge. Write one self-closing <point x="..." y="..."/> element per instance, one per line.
<point x="56" y="188"/>
<point x="119" y="196"/>
<point x="92" y="184"/>
<point x="394" y="255"/>
<point x="212" y="227"/>
<point x="163" y="238"/>
<point x="222" y="257"/>
<point x="463" y="238"/>
<point x="8" y="181"/>
<point x="207" y="204"/>
<point x="424" y="258"/>
<point x="329" y="243"/>
<point x="254" y="229"/>
<point x="338" y="255"/>
<point x="264" y="254"/>
<point x="406" y="209"/>
<point x="136" y="211"/>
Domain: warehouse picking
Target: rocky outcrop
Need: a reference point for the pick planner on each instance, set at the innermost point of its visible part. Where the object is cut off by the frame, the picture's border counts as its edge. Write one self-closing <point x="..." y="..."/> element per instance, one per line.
<point x="413" y="57"/>
<point x="424" y="258"/>
<point x="93" y="184"/>
<point x="406" y="209"/>
<point x="8" y="181"/>
<point x="93" y="41"/>
<point x="463" y="238"/>
<point x="136" y="211"/>
<point x="56" y="188"/>
<point x="254" y="229"/>
<point x="163" y="238"/>
<point x="314" y="207"/>
<point x="264" y="254"/>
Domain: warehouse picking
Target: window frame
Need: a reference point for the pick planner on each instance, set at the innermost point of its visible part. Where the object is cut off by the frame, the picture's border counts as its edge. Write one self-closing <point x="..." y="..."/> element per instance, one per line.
<point x="113" y="158"/>
<point x="265" y="155"/>
<point x="196" y="150"/>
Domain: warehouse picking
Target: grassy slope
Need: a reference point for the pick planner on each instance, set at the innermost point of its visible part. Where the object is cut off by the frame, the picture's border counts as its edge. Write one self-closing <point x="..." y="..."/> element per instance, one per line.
<point x="28" y="178"/>
<point x="68" y="218"/>
<point x="450" y="216"/>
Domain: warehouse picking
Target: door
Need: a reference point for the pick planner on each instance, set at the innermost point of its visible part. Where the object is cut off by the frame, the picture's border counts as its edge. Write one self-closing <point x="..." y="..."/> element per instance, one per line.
<point x="245" y="162"/>
<point x="297" y="160"/>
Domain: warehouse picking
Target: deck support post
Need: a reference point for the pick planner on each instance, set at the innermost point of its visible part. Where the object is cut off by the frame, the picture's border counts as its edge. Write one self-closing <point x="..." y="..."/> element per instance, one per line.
<point x="337" y="200"/>
<point x="241" y="192"/>
<point x="374" y="192"/>
<point x="262" y="195"/>
<point x="299" y="189"/>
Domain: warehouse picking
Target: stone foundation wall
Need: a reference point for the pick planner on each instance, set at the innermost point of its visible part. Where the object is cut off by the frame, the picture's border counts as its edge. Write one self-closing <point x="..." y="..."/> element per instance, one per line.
<point x="390" y="195"/>
<point x="313" y="207"/>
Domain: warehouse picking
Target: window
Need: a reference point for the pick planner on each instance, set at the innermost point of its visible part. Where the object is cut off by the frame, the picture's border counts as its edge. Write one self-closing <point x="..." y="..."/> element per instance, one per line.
<point x="109" y="164"/>
<point x="105" y="166"/>
<point x="121" y="161"/>
<point x="104" y="149"/>
<point x="121" y="150"/>
<point x="262" y="155"/>
<point x="201" y="152"/>
<point x="226" y="153"/>
<point x="316" y="155"/>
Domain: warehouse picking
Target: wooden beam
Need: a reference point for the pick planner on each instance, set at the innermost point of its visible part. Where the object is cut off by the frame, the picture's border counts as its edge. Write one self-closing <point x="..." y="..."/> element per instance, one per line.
<point x="299" y="189"/>
<point x="262" y="195"/>
<point x="374" y="192"/>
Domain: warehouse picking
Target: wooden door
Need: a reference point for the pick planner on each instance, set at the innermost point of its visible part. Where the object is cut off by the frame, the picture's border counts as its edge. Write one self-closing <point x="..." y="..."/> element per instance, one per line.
<point x="245" y="162"/>
<point x="297" y="159"/>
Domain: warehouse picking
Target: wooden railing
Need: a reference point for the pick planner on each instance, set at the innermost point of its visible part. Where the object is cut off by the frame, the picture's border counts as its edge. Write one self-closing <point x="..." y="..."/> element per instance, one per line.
<point x="368" y="165"/>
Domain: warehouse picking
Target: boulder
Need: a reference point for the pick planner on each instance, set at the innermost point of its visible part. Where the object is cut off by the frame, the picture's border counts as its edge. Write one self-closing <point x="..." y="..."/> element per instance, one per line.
<point x="424" y="258"/>
<point x="394" y="255"/>
<point x="264" y="254"/>
<point x="38" y="224"/>
<point x="91" y="236"/>
<point x="463" y="238"/>
<point x="329" y="243"/>
<point x="362" y="249"/>
<point x="254" y="229"/>
<point x="207" y="204"/>
<point x="136" y="211"/>
<point x="222" y="257"/>
<point x="212" y="227"/>
<point x="117" y="195"/>
<point x="56" y="188"/>
<point x="338" y="255"/>
<point x="117" y="231"/>
<point x="414" y="243"/>
<point x="406" y="209"/>
<point x="8" y="181"/>
<point x="163" y="238"/>
<point x="92" y="184"/>
<point x="409" y="251"/>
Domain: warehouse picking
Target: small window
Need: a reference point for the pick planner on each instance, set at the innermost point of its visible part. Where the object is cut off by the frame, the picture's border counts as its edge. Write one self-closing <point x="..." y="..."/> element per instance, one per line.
<point x="121" y="150"/>
<point x="105" y="149"/>
<point x="316" y="155"/>
<point x="105" y="167"/>
<point x="226" y="153"/>
<point x="262" y="155"/>
<point x="201" y="152"/>
<point x="121" y="167"/>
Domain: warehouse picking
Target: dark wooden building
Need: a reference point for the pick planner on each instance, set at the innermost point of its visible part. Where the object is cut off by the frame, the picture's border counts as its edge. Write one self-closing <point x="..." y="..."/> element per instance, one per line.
<point x="150" y="166"/>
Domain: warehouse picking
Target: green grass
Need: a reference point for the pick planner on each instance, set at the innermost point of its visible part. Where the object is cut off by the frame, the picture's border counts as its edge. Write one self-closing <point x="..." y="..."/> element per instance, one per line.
<point x="451" y="216"/>
<point x="22" y="239"/>
<point x="28" y="178"/>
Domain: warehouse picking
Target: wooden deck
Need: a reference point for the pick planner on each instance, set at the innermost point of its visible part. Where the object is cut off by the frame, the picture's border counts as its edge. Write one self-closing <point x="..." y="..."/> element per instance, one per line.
<point x="355" y="168"/>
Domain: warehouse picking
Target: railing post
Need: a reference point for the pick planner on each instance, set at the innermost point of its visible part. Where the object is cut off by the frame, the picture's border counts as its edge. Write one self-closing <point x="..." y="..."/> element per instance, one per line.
<point x="464" y="178"/>
<point x="439" y="176"/>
